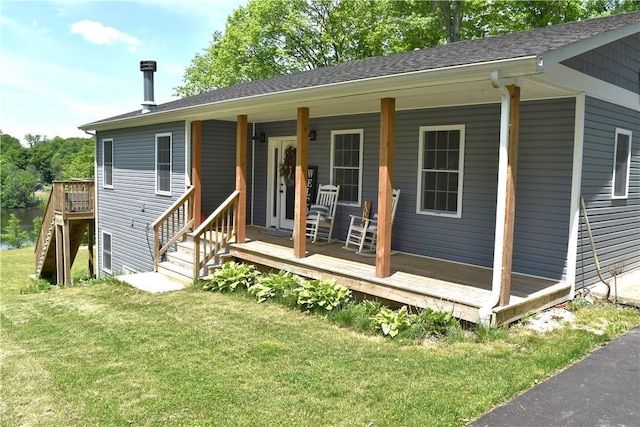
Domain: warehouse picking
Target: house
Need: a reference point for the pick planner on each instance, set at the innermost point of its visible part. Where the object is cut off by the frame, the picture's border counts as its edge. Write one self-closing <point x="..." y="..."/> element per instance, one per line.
<point x="492" y="142"/>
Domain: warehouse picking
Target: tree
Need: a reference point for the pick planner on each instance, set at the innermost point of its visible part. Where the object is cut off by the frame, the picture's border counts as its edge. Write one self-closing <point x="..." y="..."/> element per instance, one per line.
<point x="267" y="38"/>
<point x="11" y="151"/>
<point x="81" y="166"/>
<point x="17" y="187"/>
<point x="13" y="236"/>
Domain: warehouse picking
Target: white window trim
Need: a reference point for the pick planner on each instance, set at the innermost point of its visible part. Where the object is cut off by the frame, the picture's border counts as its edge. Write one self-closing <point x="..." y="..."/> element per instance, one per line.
<point x="620" y="131"/>
<point x="106" y="270"/>
<point x="113" y="151"/>
<point x="155" y="160"/>
<point x="422" y="130"/>
<point x="360" y="160"/>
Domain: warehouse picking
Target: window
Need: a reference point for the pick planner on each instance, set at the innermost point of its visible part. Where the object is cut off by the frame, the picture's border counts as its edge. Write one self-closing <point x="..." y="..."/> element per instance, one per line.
<point x="440" y="167"/>
<point x="163" y="163"/>
<point x="106" y="251"/>
<point x="346" y="164"/>
<point x="107" y="163"/>
<point x="621" y="164"/>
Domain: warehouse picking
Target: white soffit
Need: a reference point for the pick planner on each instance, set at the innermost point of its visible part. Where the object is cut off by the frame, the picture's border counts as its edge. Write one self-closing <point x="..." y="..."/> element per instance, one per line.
<point x="574" y="81"/>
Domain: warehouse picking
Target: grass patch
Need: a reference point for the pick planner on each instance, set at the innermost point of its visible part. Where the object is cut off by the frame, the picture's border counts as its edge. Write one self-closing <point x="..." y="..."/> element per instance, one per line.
<point x="108" y="354"/>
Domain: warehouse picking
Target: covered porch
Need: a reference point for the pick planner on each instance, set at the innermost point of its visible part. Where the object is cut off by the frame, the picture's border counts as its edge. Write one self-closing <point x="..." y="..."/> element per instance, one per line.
<point x="418" y="281"/>
<point x="478" y="294"/>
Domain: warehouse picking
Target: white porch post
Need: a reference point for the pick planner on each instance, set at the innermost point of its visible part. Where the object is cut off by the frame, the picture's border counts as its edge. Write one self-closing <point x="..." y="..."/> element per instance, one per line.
<point x="501" y="201"/>
<point x="576" y="178"/>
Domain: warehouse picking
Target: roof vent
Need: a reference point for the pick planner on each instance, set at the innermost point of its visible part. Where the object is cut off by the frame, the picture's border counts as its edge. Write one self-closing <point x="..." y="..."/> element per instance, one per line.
<point x="148" y="68"/>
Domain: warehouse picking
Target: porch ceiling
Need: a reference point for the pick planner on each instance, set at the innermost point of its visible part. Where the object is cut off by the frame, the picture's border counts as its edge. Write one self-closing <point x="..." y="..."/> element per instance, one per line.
<point x="474" y="92"/>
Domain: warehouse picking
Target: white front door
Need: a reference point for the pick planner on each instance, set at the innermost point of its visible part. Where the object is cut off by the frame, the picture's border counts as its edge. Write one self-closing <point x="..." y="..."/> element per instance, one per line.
<point x="280" y="189"/>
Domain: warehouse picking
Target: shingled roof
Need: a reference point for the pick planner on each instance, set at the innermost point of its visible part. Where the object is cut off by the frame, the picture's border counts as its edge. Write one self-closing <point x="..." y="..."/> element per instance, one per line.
<point x="531" y="43"/>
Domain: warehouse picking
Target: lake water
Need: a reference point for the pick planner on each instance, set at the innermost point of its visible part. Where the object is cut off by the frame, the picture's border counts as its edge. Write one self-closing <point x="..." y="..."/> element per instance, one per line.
<point x="25" y="215"/>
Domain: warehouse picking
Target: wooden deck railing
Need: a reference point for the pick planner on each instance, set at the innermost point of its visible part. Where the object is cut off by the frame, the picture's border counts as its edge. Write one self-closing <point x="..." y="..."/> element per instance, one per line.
<point x="214" y="233"/>
<point x="66" y="198"/>
<point x="172" y="225"/>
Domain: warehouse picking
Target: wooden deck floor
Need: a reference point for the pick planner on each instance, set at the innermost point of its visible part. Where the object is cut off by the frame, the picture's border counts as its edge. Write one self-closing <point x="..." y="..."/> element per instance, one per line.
<point x="414" y="280"/>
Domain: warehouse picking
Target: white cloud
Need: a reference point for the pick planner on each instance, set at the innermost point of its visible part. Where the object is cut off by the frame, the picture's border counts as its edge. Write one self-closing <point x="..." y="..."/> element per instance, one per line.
<point x="97" y="33"/>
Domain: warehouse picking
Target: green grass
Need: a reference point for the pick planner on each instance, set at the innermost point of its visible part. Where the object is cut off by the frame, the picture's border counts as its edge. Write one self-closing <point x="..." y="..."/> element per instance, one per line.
<point x="107" y="354"/>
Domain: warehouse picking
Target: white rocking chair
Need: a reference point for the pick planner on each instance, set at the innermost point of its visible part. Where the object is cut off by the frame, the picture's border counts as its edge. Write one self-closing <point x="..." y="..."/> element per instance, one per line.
<point x="321" y="215"/>
<point x="363" y="232"/>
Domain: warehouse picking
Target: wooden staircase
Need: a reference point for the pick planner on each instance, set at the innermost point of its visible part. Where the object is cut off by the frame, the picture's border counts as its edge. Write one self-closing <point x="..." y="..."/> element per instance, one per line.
<point x="186" y="253"/>
<point x="69" y="213"/>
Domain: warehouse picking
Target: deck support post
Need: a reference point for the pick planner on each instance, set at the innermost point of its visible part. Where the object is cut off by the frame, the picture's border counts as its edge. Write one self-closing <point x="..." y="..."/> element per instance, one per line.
<point x="241" y="178"/>
<point x="385" y="186"/>
<point x="196" y="171"/>
<point x="510" y="206"/>
<point x="300" y="209"/>
<point x="66" y="243"/>
<point x="59" y="254"/>
<point x="90" y="234"/>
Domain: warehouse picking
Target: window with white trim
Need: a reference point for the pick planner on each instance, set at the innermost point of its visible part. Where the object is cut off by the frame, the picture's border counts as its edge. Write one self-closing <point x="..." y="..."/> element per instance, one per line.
<point x="107" y="163"/>
<point x="621" y="164"/>
<point x="163" y="163"/>
<point x="106" y="251"/>
<point x="346" y="164"/>
<point x="440" y="170"/>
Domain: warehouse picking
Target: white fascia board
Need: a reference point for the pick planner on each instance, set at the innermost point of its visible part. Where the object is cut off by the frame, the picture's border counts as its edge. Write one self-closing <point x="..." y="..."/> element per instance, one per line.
<point x="574" y="49"/>
<point x="510" y="68"/>
<point x="578" y="82"/>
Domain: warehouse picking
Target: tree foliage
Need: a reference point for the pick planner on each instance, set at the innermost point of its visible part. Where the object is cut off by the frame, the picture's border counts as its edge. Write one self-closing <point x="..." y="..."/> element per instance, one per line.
<point x="267" y="38"/>
<point x="23" y="170"/>
<point x="13" y="236"/>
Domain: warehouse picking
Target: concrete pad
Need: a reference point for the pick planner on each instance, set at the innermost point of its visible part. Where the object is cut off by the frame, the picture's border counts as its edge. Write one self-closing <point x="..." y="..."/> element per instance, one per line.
<point x="151" y="282"/>
<point x="628" y="288"/>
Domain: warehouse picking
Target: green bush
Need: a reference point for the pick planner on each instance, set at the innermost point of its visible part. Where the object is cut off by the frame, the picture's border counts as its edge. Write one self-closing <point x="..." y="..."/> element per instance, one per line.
<point x="321" y="294"/>
<point x="274" y="285"/>
<point x="392" y="322"/>
<point x="231" y="276"/>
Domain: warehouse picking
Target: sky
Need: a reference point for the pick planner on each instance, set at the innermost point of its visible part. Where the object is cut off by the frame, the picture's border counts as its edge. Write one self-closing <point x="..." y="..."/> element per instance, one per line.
<point x="65" y="63"/>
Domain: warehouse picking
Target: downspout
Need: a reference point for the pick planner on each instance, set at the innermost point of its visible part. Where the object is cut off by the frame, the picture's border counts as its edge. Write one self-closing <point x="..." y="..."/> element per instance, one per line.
<point x="97" y="260"/>
<point x="487" y="309"/>
<point x="253" y="169"/>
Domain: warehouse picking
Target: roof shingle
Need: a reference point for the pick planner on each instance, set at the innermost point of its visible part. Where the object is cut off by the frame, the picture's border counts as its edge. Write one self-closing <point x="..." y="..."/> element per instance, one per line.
<point x="522" y="44"/>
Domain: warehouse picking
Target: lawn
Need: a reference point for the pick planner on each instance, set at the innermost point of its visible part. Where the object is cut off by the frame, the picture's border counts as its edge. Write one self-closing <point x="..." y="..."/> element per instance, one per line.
<point x="107" y="354"/>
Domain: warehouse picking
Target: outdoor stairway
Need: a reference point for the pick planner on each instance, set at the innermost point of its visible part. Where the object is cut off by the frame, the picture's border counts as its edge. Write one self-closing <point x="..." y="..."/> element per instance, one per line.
<point x="47" y="258"/>
<point x="186" y="250"/>
<point x="69" y="213"/>
<point x="178" y="263"/>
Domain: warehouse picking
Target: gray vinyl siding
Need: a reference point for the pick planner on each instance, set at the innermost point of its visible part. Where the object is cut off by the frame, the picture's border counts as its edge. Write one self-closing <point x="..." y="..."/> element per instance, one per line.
<point x="615" y="222"/>
<point x="543" y="195"/>
<point x="616" y="63"/>
<point x="128" y="210"/>
<point x="218" y="163"/>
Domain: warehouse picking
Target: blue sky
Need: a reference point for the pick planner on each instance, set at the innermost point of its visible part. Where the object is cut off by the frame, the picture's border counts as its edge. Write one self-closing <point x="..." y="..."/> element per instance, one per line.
<point x="69" y="62"/>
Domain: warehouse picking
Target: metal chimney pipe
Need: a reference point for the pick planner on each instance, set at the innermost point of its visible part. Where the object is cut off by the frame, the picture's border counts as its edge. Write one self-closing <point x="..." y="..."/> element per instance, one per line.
<point x="148" y="68"/>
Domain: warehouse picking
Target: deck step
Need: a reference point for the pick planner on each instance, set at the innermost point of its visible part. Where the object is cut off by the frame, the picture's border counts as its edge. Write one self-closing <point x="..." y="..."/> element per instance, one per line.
<point x="181" y="259"/>
<point x="176" y="272"/>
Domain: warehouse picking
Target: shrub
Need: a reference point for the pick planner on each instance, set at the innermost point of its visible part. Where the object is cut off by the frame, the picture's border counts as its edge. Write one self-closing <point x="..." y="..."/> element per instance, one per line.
<point x="321" y="294"/>
<point x="392" y="322"/>
<point x="274" y="285"/>
<point x="231" y="276"/>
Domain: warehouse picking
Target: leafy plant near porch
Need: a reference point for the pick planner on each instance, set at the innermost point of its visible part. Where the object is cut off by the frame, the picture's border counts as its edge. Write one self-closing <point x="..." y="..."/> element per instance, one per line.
<point x="274" y="285"/>
<point x="321" y="294"/>
<point x="231" y="276"/>
<point x="392" y="322"/>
